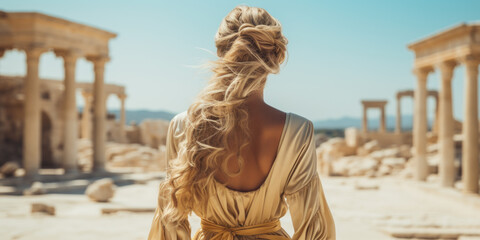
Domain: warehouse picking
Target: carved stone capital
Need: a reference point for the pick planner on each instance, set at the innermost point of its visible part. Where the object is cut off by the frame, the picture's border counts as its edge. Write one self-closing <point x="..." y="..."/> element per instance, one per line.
<point x="68" y="55"/>
<point x="446" y="69"/>
<point x="33" y="53"/>
<point x="422" y="73"/>
<point x="470" y="61"/>
<point x="98" y="61"/>
<point x="86" y="94"/>
<point x="122" y="96"/>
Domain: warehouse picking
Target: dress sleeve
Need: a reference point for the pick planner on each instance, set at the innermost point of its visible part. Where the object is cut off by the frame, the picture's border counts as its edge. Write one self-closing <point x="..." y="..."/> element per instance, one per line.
<point x="309" y="210"/>
<point x="159" y="229"/>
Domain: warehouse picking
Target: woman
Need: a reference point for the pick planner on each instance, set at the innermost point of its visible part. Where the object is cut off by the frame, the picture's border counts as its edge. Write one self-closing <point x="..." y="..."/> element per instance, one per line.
<point x="234" y="160"/>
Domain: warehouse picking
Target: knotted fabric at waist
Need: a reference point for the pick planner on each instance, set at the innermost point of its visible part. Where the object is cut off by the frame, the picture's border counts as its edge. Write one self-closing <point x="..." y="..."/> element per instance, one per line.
<point x="228" y="233"/>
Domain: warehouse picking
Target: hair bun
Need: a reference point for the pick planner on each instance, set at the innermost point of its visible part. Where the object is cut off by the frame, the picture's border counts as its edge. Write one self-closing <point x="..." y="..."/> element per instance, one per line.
<point x="262" y="37"/>
<point x="251" y="35"/>
<point x="245" y="26"/>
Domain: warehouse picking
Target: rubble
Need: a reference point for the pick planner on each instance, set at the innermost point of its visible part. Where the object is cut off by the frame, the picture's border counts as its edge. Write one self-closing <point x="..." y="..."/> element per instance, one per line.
<point x="368" y="147"/>
<point x="101" y="190"/>
<point x="36" y="189"/>
<point x="43" y="208"/>
<point x="337" y="158"/>
<point x="9" y="168"/>
<point x="121" y="155"/>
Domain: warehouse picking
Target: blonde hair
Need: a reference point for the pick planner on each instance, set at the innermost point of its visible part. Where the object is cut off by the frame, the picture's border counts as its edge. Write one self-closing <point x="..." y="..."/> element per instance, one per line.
<point x="250" y="45"/>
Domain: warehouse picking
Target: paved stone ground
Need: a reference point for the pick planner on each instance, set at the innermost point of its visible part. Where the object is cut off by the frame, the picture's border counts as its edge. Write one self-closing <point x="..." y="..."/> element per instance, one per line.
<point x="359" y="214"/>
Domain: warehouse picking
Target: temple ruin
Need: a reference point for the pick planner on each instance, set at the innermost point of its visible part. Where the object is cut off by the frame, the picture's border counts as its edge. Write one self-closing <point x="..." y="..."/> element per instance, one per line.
<point x="443" y="51"/>
<point x="374" y="104"/>
<point x="40" y="124"/>
<point x="410" y="93"/>
<point x="35" y="34"/>
<point x="52" y="118"/>
<point x="450" y="149"/>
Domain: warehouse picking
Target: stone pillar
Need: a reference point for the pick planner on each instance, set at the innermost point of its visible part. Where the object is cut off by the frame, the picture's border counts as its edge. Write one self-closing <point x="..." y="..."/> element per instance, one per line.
<point x="435" y="121"/>
<point x="470" y="163"/>
<point x="365" y="120"/>
<point x="2" y="52"/>
<point x="32" y="150"/>
<point x="383" y="124"/>
<point x="99" y="114"/>
<point x="122" y="98"/>
<point x="445" y="138"/>
<point x="420" y="125"/>
<point x="70" y="112"/>
<point x="86" y="116"/>
<point x="398" y="123"/>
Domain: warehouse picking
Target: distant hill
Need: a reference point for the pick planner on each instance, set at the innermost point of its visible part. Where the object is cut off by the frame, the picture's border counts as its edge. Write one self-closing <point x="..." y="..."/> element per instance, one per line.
<point x="139" y="115"/>
<point x="333" y="123"/>
<point x="373" y="122"/>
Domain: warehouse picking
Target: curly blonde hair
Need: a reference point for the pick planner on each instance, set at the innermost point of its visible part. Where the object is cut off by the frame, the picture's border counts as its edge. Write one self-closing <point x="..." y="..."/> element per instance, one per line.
<point x="250" y="45"/>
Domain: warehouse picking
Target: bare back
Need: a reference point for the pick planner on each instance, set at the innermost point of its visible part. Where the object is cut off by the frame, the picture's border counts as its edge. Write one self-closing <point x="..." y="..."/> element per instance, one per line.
<point x="266" y="126"/>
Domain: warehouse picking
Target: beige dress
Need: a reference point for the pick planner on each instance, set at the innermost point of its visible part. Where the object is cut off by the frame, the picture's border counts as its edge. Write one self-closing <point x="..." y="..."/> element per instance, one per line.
<point x="292" y="182"/>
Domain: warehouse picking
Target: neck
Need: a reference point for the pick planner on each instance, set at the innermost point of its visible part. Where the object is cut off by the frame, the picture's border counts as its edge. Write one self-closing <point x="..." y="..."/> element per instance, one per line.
<point x="255" y="100"/>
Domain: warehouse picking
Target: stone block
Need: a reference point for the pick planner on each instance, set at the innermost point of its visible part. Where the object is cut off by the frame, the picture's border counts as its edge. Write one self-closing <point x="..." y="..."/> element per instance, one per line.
<point x="43" y="208"/>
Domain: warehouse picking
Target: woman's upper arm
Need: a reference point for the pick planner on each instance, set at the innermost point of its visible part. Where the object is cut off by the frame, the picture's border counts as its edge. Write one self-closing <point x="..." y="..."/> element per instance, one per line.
<point x="159" y="229"/>
<point x="174" y="135"/>
<point x="309" y="210"/>
<point x="171" y="148"/>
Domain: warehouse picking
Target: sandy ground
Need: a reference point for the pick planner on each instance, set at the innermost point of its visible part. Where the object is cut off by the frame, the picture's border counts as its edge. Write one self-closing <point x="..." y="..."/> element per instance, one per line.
<point x="359" y="214"/>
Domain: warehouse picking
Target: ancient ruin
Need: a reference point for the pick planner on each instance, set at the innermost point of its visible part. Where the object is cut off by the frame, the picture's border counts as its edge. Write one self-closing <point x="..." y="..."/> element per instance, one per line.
<point x="374" y="104"/>
<point x="36" y="33"/>
<point x="410" y="93"/>
<point x="399" y="136"/>
<point x="449" y="149"/>
<point x="52" y="117"/>
<point x="444" y="51"/>
<point x="40" y="122"/>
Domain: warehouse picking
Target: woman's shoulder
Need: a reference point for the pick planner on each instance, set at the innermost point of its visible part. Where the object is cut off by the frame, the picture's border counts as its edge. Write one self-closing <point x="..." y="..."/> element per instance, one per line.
<point x="298" y="135"/>
<point x="177" y="123"/>
<point x="300" y="125"/>
<point x="180" y="116"/>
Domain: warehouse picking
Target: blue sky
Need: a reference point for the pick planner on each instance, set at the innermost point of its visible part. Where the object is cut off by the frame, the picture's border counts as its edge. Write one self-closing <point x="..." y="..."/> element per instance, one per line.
<point x="339" y="51"/>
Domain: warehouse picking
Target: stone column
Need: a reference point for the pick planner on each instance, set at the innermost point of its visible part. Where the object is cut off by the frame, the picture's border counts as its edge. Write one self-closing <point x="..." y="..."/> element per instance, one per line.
<point x="365" y="120"/>
<point x="420" y="125"/>
<point x="122" y="98"/>
<point x="435" y="122"/>
<point x="99" y="114"/>
<point x="86" y="116"/>
<point x="70" y="112"/>
<point x="445" y="138"/>
<point x="398" y="123"/>
<point x="470" y="163"/>
<point x="32" y="150"/>
<point x="383" y="125"/>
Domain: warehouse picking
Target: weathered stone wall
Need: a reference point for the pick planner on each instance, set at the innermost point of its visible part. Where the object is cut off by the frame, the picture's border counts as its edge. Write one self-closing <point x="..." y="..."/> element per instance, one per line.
<point x="11" y="121"/>
<point x="153" y="133"/>
<point x="52" y="121"/>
